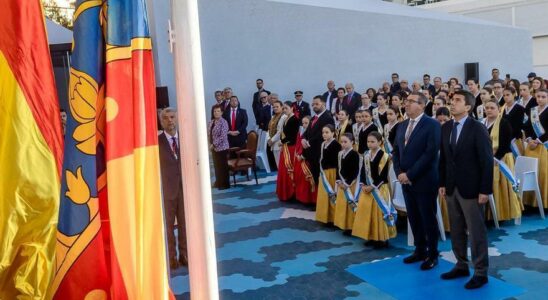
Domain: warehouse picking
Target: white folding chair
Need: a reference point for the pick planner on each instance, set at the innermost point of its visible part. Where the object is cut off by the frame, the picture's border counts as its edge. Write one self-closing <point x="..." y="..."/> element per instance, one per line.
<point x="493" y="207"/>
<point x="526" y="171"/>
<point x="261" y="150"/>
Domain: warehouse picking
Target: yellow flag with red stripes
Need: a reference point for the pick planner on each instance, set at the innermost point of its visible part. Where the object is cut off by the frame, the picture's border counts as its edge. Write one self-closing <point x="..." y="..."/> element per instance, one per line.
<point x="30" y="153"/>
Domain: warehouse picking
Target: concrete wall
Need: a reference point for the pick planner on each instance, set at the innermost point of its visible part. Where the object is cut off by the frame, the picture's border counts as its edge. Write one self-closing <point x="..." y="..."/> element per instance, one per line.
<point x="528" y="14"/>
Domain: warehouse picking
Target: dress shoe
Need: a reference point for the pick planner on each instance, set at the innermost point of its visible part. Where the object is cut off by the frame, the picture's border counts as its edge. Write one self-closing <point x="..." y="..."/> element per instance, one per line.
<point x="369" y="243"/>
<point x="413" y="258"/>
<point x="429" y="263"/>
<point x="380" y="244"/>
<point x="476" y="282"/>
<point x="347" y="232"/>
<point x="455" y="273"/>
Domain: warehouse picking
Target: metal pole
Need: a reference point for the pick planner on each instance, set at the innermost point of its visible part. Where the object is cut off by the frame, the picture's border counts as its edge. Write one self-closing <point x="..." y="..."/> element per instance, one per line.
<point x="194" y="149"/>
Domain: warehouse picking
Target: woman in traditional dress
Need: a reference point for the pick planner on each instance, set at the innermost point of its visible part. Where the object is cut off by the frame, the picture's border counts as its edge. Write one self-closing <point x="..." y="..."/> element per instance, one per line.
<point x="305" y="186"/>
<point x="390" y="129"/>
<point x="343" y="126"/>
<point x="285" y="185"/>
<point x="357" y="127"/>
<point x="348" y="184"/>
<point x="375" y="217"/>
<point x="514" y="114"/>
<point x="507" y="203"/>
<point x="380" y="110"/>
<point x="367" y="127"/>
<point x="325" y="201"/>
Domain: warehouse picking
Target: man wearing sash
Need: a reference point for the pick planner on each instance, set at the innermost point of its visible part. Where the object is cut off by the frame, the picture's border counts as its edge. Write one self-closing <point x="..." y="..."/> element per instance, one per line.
<point x="415" y="158"/>
<point x="466" y="178"/>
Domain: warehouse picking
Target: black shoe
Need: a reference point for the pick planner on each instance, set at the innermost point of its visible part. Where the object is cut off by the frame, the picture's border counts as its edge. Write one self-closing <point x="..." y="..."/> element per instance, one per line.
<point x="380" y="245"/>
<point x="347" y="232"/>
<point x="455" y="273"/>
<point x="429" y="264"/>
<point x="476" y="282"/>
<point x="413" y="258"/>
<point x="369" y="243"/>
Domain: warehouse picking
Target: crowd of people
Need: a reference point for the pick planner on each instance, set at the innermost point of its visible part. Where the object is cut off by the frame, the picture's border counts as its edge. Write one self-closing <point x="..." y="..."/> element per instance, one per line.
<point x="444" y="143"/>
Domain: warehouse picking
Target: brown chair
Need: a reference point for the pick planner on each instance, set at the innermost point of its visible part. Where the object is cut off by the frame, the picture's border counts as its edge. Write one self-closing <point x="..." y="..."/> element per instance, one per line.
<point x="245" y="158"/>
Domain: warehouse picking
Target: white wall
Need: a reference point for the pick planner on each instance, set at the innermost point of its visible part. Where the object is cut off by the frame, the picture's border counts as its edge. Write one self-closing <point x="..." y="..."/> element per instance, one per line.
<point x="301" y="47"/>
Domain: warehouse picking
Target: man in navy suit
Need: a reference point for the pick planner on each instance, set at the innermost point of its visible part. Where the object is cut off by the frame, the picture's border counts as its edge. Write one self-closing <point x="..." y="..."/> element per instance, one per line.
<point x="301" y="108"/>
<point x="466" y="177"/>
<point x="352" y="101"/>
<point x="415" y="158"/>
<point x="237" y="123"/>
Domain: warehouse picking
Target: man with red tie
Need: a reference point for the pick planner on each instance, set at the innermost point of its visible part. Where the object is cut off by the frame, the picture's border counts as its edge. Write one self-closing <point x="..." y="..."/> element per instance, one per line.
<point x="312" y="139"/>
<point x="172" y="187"/>
<point x="237" y="123"/>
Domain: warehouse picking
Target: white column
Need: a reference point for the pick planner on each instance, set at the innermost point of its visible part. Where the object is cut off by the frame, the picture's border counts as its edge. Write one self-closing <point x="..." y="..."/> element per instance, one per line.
<point x="194" y="150"/>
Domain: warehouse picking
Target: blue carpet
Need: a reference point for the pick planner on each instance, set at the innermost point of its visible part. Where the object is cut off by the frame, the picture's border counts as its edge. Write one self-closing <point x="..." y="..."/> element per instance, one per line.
<point x="407" y="281"/>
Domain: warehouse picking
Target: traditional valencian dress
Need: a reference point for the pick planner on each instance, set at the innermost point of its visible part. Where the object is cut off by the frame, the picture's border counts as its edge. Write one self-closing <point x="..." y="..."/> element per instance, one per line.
<point x="305" y="186"/>
<point x="325" y="201"/>
<point x="375" y="217"/>
<point x="348" y="174"/>
<point x="343" y="128"/>
<point x="507" y="203"/>
<point x="285" y="185"/>
<point x="537" y="128"/>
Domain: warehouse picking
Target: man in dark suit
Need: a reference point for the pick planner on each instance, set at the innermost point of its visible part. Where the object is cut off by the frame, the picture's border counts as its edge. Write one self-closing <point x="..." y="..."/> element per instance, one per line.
<point x="352" y="101"/>
<point x="218" y="101"/>
<point x="265" y="112"/>
<point x="312" y="139"/>
<point x="300" y="108"/>
<point x="466" y="177"/>
<point x="395" y="86"/>
<point x="330" y="95"/>
<point x="237" y="123"/>
<point x="172" y="187"/>
<point x="256" y="104"/>
<point x="427" y="85"/>
<point x="415" y="158"/>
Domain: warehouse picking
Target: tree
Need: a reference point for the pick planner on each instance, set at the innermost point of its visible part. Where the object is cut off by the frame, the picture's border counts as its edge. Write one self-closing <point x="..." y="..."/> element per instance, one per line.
<point x="60" y="15"/>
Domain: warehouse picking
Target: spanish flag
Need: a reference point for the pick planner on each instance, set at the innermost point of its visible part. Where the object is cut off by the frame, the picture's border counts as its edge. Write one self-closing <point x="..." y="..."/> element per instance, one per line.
<point x="30" y="153"/>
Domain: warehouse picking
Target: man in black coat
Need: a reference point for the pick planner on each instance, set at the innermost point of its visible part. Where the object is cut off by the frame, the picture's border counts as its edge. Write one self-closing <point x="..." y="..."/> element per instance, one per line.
<point x="300" y="107"/>
<point x="312" y="139"/>
<point x="466" y="178"/>
<point x="415" y="158"/>
<point x="265" y="112"/>
<point x="172" y="187"/>
<point x="256" y="104"/>
<point x="237" y="123"/>
<point x="427" y="85"/>
<point x="352" y="101"/>
<point x="330" y="95"/>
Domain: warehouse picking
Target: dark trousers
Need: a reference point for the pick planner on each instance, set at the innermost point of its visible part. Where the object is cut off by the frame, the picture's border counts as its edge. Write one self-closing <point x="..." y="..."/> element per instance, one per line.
<point x="421" y="212"/>
<point x="271" y="159"/>
<point x="175" y="210"/>
<point x="467" y="215"/>
<point x="220" y="163"/>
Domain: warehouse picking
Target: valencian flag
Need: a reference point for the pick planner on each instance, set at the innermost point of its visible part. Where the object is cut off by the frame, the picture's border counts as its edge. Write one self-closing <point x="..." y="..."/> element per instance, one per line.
<point x="30" y="153"/>
<point x="111" y="235"/>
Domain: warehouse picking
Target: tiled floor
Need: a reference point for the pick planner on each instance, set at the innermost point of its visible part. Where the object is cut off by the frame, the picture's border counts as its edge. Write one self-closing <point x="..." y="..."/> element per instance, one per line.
<point x="267" y="249"/>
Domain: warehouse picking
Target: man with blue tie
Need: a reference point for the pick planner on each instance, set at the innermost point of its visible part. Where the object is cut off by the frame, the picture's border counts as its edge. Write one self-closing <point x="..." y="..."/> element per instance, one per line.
<point x="415" y="158"/>
<point x="466" y="178"/>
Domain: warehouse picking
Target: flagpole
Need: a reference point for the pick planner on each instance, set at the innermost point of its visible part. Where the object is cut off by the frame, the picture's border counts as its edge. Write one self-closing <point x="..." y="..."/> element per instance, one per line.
<point x="194" y="149"/>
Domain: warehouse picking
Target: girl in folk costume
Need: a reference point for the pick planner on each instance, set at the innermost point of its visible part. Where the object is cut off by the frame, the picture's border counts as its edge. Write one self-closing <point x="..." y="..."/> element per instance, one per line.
<point x="368" y="127"/>
<point x="357" y="127"/>
<point x="305" y="185"/>
<point x="285" y="185"/>
<point x="507" y="203"/>
<point x="375" y="219"/>
<point x="348" y="184"/>
<point x="325" y="201"/>
<point x="343" y="126"/>
<point x="514" y="114"/>
<point x="537" y="145"/>
<point x="397" y="102"/>
<point x="380" y="110"/>
<point x="390" y="128"/>
<point x="366" y="103"/>
<point x="485" y="95"/>
<point x="438" y="102"/>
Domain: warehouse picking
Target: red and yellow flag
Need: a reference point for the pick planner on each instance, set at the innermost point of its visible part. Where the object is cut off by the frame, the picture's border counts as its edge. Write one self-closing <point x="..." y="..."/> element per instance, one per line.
<point x="30" y="153"/>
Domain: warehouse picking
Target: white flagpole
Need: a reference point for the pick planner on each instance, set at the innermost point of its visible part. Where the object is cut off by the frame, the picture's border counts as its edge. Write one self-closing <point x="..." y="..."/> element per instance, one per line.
<point x="194" y="149"/>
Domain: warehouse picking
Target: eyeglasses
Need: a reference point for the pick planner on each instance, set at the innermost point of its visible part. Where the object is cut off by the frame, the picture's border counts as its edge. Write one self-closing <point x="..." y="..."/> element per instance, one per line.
<point x="408" y="101"/>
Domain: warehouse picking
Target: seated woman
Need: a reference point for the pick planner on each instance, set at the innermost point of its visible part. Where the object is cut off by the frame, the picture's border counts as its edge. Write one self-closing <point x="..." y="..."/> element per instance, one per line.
<point x="325" y="201"/>
<point x="348" y="185"/>
<point x="506" y="201"/>
<point x="285" y="185"/>
<point x="218" y="144"/>
<point x="375" y="219"/>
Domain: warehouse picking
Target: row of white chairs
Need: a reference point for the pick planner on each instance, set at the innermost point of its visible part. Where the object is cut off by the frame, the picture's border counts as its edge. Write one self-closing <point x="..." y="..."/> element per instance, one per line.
<point x="525" y="171"/>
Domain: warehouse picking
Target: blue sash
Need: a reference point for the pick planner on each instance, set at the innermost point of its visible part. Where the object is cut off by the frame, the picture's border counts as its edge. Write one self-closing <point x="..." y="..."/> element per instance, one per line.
<point x="537" y="126"/>
<point x="514" y="148"/>
<point x="507" y="173"/>
<point x="330" y="192"/>
<point x="389" y="212"/>
<point x="351" y="198"/>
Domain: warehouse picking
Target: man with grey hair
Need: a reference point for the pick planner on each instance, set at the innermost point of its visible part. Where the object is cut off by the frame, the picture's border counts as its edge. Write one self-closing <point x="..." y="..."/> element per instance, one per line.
<point x="415" y="159"/>
<point x="352" y="101"/>
<point x="172" y="187"/>
<point x="330" y="95"/>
